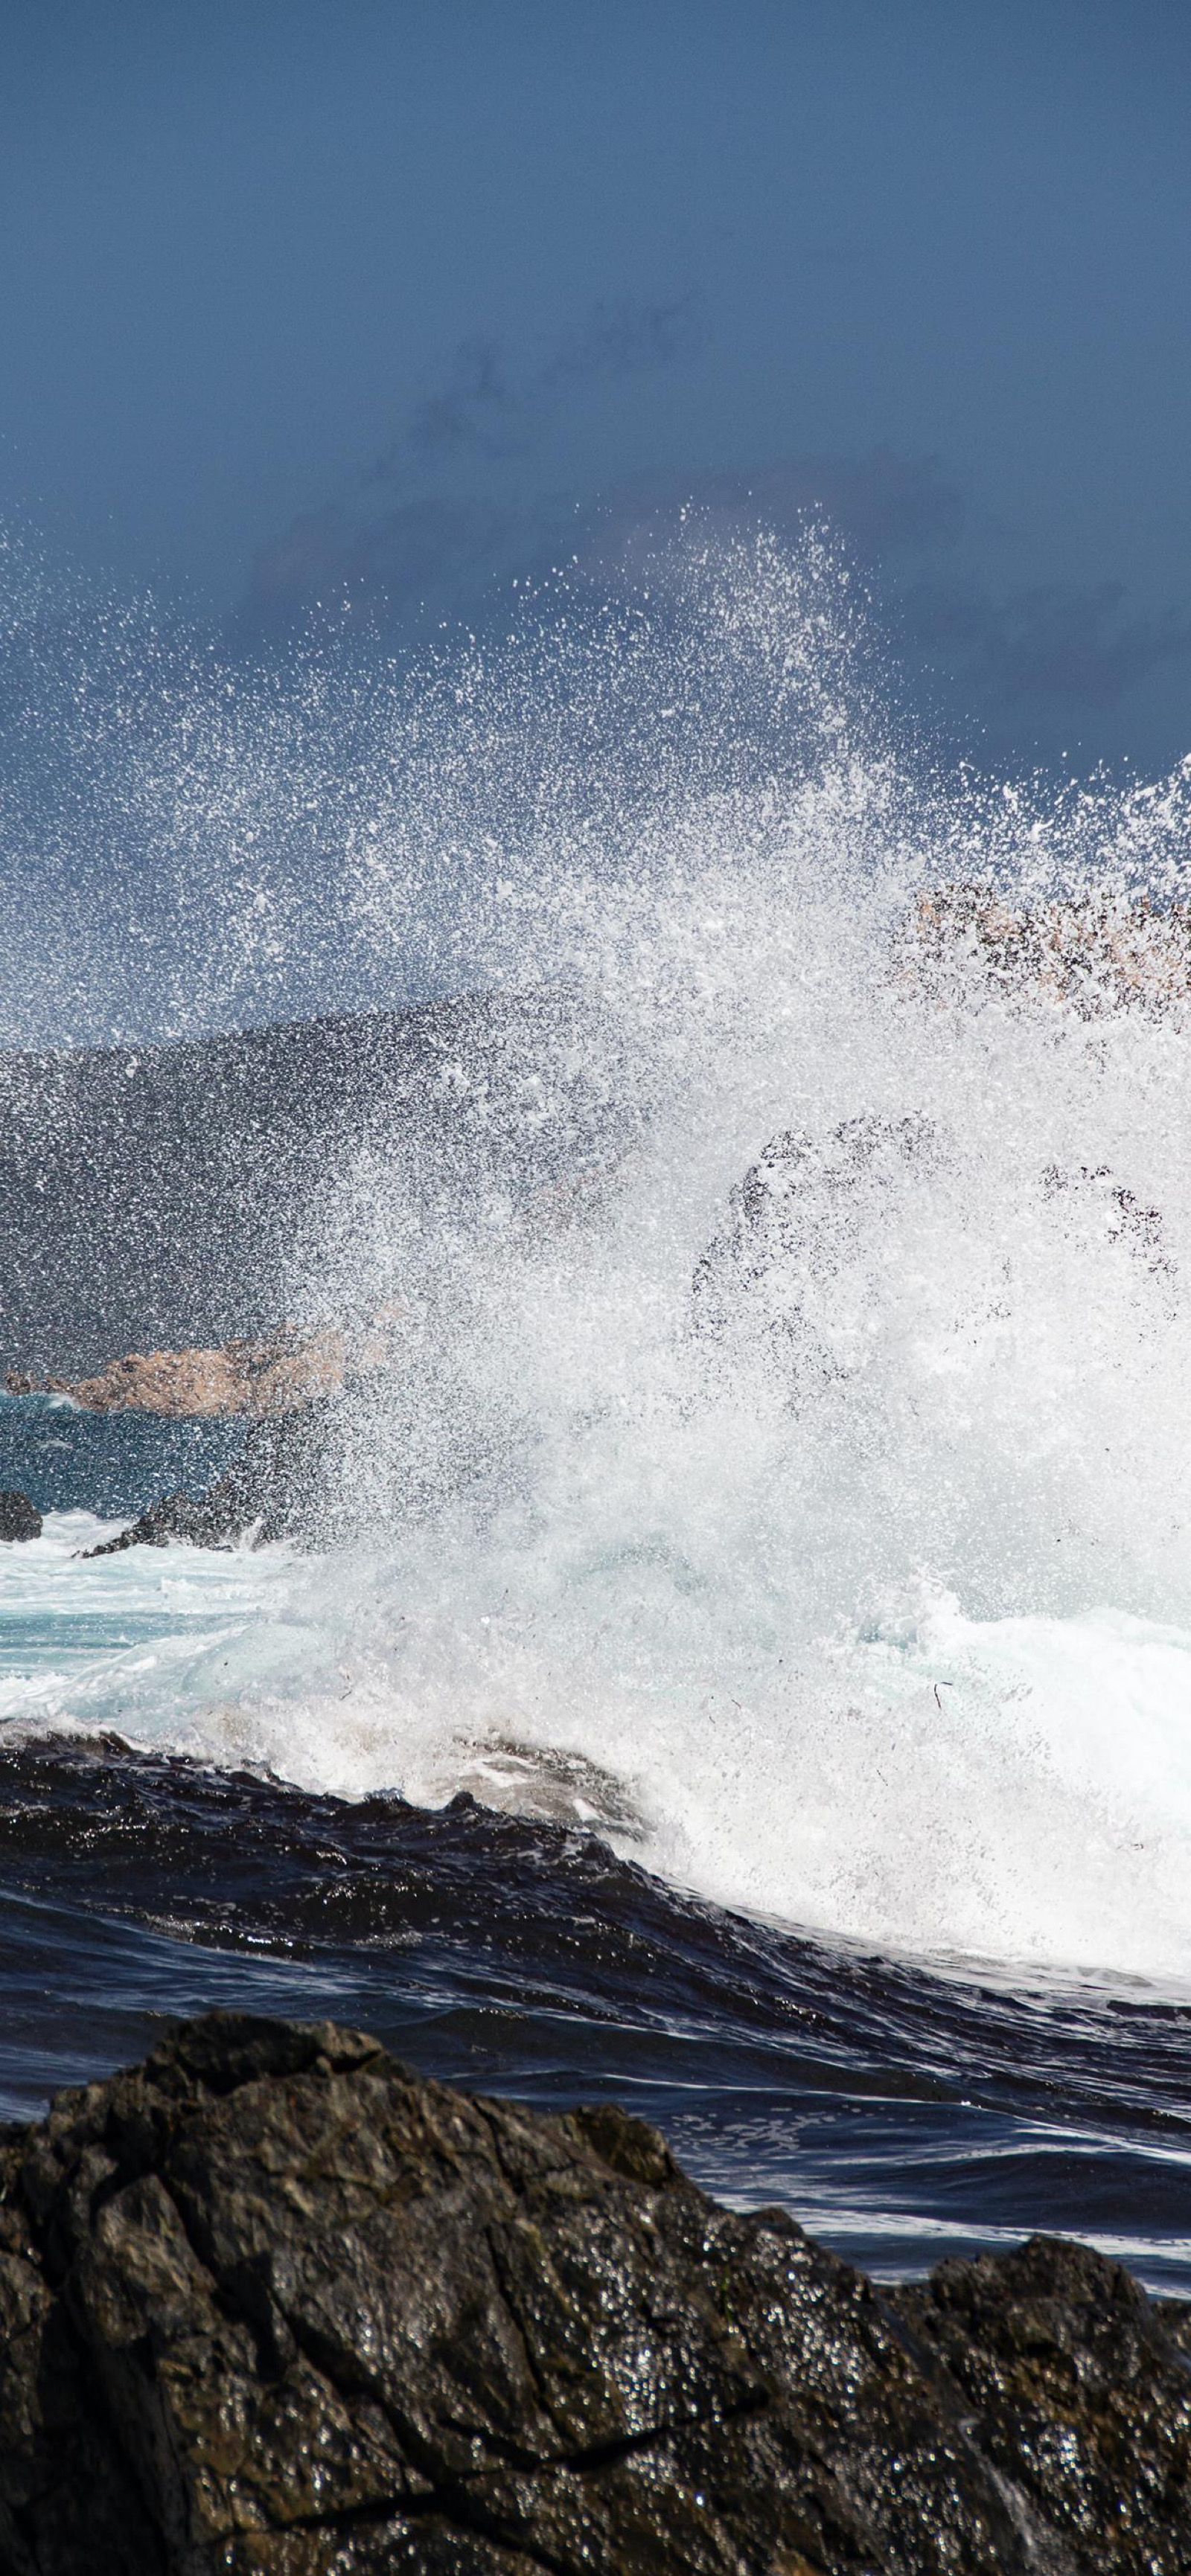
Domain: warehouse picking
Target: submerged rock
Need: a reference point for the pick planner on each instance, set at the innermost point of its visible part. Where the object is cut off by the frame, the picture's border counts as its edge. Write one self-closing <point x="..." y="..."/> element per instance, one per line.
<point x="270" y="2303"/>
<point x="523" y="1779"/>
<point x="19" y="1518"/>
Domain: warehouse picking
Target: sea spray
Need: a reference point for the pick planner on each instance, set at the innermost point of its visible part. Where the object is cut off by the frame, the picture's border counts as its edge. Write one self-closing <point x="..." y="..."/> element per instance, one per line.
<point x="778" y="1579"/>
<point x="872" y="1602"/>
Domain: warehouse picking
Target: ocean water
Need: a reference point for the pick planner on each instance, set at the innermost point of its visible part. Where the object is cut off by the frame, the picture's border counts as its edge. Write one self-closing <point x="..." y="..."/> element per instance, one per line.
<point x="760" y="1681"/>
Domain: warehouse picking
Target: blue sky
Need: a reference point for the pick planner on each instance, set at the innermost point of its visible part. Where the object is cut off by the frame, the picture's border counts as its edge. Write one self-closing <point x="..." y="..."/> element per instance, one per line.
<point x="354" y="313"/>
<point x="323" y="295"/>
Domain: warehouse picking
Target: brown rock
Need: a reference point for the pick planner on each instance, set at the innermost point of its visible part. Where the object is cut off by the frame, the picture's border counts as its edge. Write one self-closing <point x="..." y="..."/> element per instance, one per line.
<point x="270" y="2303"/>
<point x="255" y="1378"/>
<point x="1099" y="954"/>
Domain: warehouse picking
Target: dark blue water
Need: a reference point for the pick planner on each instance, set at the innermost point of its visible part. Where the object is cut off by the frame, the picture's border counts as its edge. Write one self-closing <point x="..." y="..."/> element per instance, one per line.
<point x="108" y="1463"/>
<point x="901" y="2111"/>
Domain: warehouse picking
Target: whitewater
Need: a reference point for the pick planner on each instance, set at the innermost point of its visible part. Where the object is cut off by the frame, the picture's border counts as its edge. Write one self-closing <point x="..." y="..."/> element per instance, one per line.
<point x="857" y="1597"/>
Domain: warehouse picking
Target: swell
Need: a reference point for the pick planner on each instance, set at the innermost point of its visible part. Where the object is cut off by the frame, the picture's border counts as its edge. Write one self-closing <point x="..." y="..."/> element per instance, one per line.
<point x="896" y="2109"/>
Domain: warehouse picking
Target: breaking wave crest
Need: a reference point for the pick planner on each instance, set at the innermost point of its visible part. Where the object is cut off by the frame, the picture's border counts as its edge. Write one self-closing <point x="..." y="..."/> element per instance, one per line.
<point x="786" y="1464"/>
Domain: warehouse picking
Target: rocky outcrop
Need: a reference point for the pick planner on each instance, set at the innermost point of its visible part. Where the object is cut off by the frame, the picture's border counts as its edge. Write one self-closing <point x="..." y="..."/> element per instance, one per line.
<point x="1095" y="953"/>
<point x="279" y="1488"/>
<point x="19" y="1518"/>
<point x="792" y="1224"/>
<point x="272" y="2306"/>
<point x="256" y="1378"/>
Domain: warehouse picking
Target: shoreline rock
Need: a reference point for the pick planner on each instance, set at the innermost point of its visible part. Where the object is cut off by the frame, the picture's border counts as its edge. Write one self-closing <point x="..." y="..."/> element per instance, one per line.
<point x="276" y="1489"/>
<point x="1094" y="953"/>
<point x="273" y="2306"/>
<point x="19" y="1519"/>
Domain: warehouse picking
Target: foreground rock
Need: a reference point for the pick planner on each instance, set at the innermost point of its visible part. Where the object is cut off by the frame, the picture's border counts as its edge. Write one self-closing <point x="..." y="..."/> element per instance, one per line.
<point x="19" y="1518"/>
<point x="271" y="2306"/>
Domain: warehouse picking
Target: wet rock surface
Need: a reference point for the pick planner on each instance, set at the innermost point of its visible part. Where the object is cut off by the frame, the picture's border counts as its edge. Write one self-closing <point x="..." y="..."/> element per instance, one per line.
<point x="19" y="1518"/>
<point x="271" y="2303"/>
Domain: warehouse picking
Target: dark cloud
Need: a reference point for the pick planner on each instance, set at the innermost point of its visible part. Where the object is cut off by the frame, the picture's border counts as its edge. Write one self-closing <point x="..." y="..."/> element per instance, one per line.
<point x="1058" y="644"/>
<point x="432" y="550"/>
<point x="475" y="410"/>
<point x="622" y="339"/>
<point x="391" y="558"/>
<point x="884" y="504"/>
<point x="401" y="537"/>
<point x="455" y="508"/>
<point x="490" y="407"/>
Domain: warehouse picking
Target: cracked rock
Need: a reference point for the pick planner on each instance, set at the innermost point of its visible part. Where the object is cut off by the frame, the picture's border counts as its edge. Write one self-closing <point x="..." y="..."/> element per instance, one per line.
<point x="272" y="2306"/>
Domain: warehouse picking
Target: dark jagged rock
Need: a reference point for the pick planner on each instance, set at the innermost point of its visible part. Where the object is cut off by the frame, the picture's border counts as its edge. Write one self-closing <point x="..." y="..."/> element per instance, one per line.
<point x="19" y="1518"/>
<point x="271" y="2306"/>
<point x="278" y="1488"/>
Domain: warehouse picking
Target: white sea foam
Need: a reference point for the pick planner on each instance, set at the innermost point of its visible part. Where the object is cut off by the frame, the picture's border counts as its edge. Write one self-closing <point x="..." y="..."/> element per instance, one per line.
<point x="870" y="1607"/>
<point x="1014" y="1788"/>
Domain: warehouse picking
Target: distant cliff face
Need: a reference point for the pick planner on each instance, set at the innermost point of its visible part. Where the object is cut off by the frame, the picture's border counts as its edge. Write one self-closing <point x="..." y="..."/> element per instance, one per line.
<point x="151" y="1197"/>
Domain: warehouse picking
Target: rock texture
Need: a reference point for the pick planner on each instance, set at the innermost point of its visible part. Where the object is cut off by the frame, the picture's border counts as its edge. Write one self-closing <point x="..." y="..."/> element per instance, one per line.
<point x="793" y="1223"/>
<point x="272" y="2306"/>
<point x="19" y="1518"/>
<point x="155" y="1197"/>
